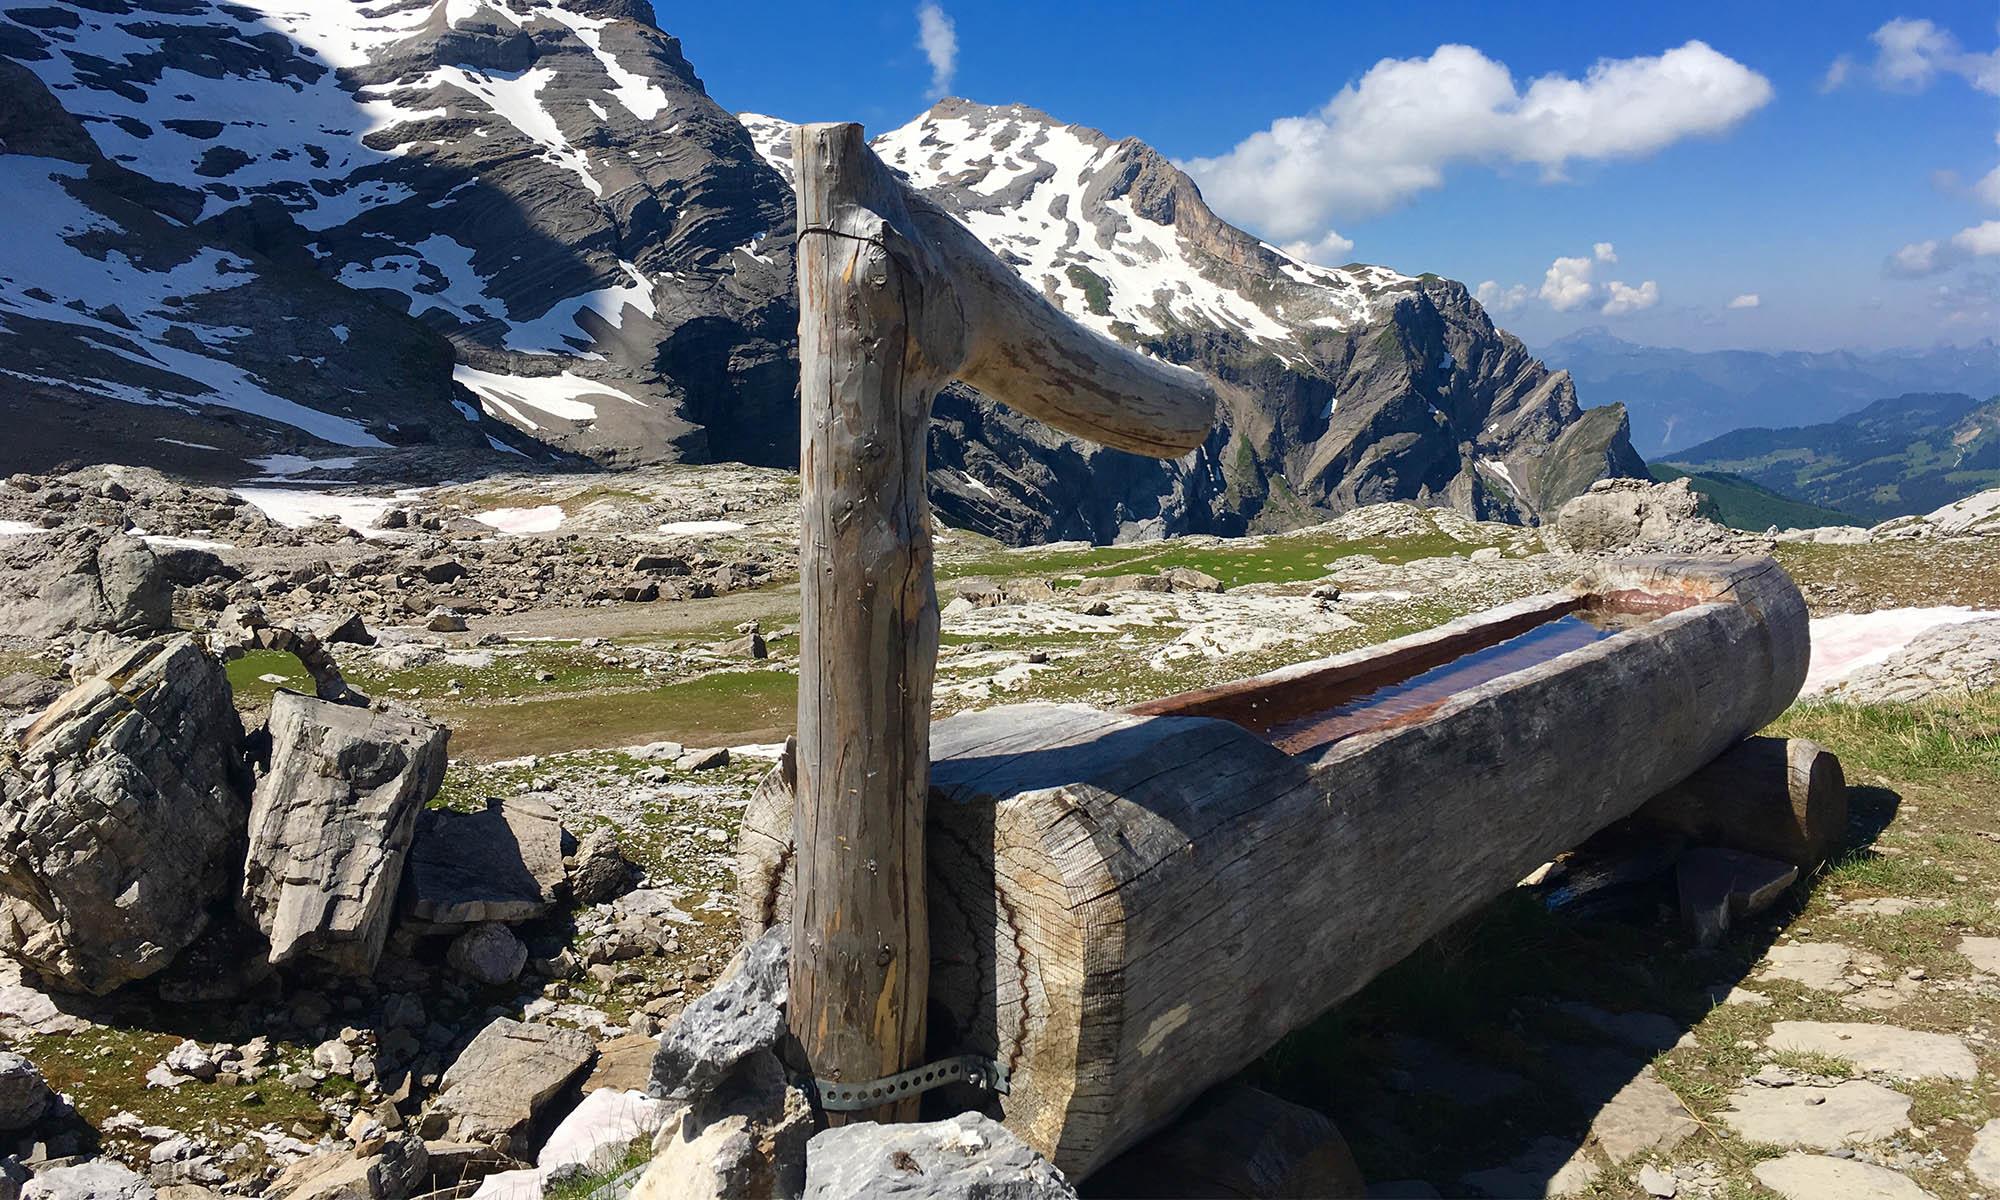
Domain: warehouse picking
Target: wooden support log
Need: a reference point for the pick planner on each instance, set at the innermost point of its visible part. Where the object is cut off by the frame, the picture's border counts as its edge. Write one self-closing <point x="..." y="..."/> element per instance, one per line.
<point x="1127" y="909"/>
<point x="895" y="300"/>
<point x="1782" y="798"/>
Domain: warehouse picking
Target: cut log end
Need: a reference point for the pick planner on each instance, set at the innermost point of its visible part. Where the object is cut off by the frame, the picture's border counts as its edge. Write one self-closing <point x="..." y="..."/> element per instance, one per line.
<point x="1783" y="798"/>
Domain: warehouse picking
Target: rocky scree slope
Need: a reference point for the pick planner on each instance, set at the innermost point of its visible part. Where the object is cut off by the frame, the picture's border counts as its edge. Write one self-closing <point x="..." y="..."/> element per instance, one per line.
<point x="514" y="225"/>
<point x="1343" y="386"/>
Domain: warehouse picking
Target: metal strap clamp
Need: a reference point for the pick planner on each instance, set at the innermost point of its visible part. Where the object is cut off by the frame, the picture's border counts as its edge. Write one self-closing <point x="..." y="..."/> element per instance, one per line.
<point x="966" y="1068"/>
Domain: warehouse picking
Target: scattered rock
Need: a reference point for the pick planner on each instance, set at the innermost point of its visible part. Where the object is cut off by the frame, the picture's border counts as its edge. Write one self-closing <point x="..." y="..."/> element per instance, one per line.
<point x="703" y="760"/>
<point x="1855" y="1112"/>
<point x="489" y="954"/>
<point x="1984" y="1161"/>
<point x="624" y="1064"/>
<point x="503" y="863"/>
<point x="1642" y="1116"/>
<point x="502" y="1081"/>
<point x="1949" y="659"/>
<point x="1982" y="952"/>
<point x="121" y="818"/>
<point x="1817" y="1177"/>
<point x="1822" y="966"/>
<point x="602" y="873"/>
<point x="114" y="585"/>
<point x="1905" y="1053"/>
<point x="24" y="1095"/>
<point x="743" y="1014"/>
<point x="969" y="1157"/>
<point x="331" y="825"/>
<point x="1637" y="516"/>
<point x="1425" y="1066"/>
<point x="98" y="1179"/>
<point x="1550" y="1166"/>
<point x="445" y="620"/>
<point x="1236" y="1141"/>
<point x="1720" y="887"/>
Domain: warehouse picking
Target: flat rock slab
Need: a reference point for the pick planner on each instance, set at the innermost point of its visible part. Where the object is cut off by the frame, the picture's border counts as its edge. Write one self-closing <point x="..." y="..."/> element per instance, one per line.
<point x="965" y="1158"/>
<point x="1853" y="1113"/>
<point x="1426" y="1067"/>
<point x="1720" y="887"/>
<point x="1816" y="1177"/>
<point x="1905" y="1053"/>
<point x="1639" y="1030"/>
<point x="1822" y="966"/>
<point x="1642" y="1116"/>
<point x="1549" y="1167"/>
<point x="500" y="864"/>
<point x="1984" y="1161"/>
<point x="1982" y="952"/>
<point x="1888" y="906"/>
<point x="624" y="1064"/>
<point x="502" y="1080"/>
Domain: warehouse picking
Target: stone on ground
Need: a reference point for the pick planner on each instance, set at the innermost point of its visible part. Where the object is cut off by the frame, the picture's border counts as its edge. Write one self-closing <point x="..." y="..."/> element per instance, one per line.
<point x="98" y="1179"/>
<point x="1816" y="1177"/>
<point x="1425" y="1066"/>
<point x="1853" y="1113"/>
<point x="1720" y="887"/>
<point x="741" y="1016"/>
<point x="1635" y="516"/>
<point x="394" y="1171"/>
<point x="121" y="818"/>
<point x="1904" y="1053"/>
<point x="331" y="825"/>
<point x="969" y="1157"/>
<point x="1982" y="952"/>
<point x="1949" y="659"/>
<point x="603" y="873"/>
<point x="489" y="954"/>
<point x="1984" y="1161"/>
<point x="623" y="1064"/>
<point x="1639" y="1030"/>
<point x="92" y="583"/>
<point x="1642" y="1116"/>
<point x="1822" y="966"/>
<point x="1549" y="1167"/>
<point x="1236" y="1141"/>
<point x="501" y="1083"/>
<point x="24" y="1095"/>
<point x="503" y="863"/>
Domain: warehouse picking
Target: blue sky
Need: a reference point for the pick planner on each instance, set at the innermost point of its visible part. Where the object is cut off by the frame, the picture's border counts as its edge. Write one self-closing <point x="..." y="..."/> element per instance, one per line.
<point x="1857" y="215"/>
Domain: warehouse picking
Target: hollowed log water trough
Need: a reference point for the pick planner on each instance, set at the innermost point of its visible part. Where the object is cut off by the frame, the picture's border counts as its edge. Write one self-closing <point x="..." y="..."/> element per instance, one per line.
<point x="1129" y="907"/>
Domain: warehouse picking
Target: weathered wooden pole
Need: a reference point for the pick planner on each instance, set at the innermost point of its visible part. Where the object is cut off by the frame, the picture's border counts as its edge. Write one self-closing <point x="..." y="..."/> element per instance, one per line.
<point x="895" y="300"/>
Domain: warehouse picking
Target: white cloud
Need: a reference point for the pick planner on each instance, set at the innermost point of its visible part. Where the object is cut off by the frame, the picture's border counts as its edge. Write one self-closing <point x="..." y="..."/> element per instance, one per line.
<point x="1392" y="133"/>
<point x="1746" y="300"/>
<point x="938" y="38"/>
<point x="1626" y="299"/>
<point x="1930" y="257"/>
<point x="1494" y="298"/>
<point x="1911" y="53"/>
<point x="1331" y="249"/>
<point x="1837" y="73"/>
<point x="1567" y="284"/>
<point x="1979" y="241"/>
<point x="1604" y="252"/>
<point x="1988" y="189"/>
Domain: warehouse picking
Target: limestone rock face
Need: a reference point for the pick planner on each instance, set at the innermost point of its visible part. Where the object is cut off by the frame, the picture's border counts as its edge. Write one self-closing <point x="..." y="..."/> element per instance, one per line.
<point x="331" y="825"/>
<point x="1632" y="516"/>
<point x="503" y="863"/>
<point x="1947" y="659"/>
<point x="98" y="1179"/>
<point x="969" y="1157"/>
<point x="744" y="1014"/>
<point x="489" y="954"/>
<point x="121" y="819"/>
<point x="502" y="1081"/>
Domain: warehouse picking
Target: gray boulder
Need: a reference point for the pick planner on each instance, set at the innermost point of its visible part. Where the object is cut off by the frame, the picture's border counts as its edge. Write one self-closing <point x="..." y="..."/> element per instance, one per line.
<point x="395" y="1171"/>
<point x="1633" y="516"/>
<point x="98" y="1179"/>
<point x="24" y="1095"/>
<point x="602" y="873"/>
<point x="121" y="819"/>
<point x="500" y="1084"/>
<point x="488" y="954"/>
<point x="969" y="1157"/>
<point x="503" y="863"/>
<point x="92" y="583"/>
<point x="741" y="1016"/>
<point x="331" y="826"/>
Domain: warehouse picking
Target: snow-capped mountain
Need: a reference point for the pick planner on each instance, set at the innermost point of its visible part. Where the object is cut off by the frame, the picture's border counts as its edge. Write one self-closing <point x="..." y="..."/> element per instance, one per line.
<point x="1345" y="385"/>
<point x="514" y="226"/>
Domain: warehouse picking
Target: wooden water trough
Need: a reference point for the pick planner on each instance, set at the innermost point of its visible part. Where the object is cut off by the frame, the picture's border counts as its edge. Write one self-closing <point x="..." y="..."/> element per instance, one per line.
<point x="1128" y="907"/>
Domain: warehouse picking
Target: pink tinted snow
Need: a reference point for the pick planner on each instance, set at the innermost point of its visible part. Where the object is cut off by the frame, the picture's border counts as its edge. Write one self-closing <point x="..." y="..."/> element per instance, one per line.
<point x="1844" y="644"/>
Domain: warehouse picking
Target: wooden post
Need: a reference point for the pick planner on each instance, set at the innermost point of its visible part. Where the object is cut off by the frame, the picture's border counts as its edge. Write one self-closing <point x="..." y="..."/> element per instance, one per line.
<point x="895" y="300"/>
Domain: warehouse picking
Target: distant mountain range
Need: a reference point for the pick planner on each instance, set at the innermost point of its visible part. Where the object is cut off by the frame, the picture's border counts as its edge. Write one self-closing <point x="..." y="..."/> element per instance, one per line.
<point x="1909" y="454"/>
<point x="1678" y="398"/>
